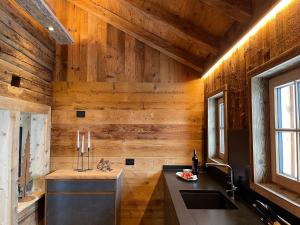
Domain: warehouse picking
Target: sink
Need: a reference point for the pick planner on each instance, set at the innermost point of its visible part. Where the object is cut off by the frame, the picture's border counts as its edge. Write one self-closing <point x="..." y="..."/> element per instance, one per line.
<point x="206" y="199"/>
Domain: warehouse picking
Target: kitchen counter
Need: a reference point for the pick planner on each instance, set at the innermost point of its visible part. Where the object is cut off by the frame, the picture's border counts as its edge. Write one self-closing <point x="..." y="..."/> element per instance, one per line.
<point x="244" y="215"/>
<point x="90" y="174"/>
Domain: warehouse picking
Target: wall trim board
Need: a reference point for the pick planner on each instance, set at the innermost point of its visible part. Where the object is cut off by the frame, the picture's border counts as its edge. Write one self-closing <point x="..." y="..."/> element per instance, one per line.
<point x="23" y="106"/>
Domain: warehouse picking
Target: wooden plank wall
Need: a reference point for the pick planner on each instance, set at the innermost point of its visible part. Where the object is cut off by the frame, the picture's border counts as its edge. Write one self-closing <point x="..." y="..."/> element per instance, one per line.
<point x="25" y="51"/>
<point x="139" y="104"/>
<point x="6" y="215"/>
<point x="9" y="162"/>
<point x="279" y="35"/>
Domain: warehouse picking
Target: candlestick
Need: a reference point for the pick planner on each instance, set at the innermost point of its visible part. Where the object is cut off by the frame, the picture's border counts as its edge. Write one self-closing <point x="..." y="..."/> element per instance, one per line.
<point x="78" y="144"/>
<point x="89" y="140"/>
<point x="78" y="148"/>
<point x="82" y="147"/>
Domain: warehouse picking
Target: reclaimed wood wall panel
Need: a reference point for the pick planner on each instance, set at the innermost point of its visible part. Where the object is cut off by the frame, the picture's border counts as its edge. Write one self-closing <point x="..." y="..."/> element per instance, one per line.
<point x="278" y="39"/>
<point x="279" y="35"/>
<point x="154" y="123"/>
<point x="139" y="104"/>
<point x="27" y="52"/>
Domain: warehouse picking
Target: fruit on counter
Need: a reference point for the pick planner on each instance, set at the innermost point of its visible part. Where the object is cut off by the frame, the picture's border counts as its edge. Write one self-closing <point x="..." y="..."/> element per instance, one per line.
<point x="187" y="175"/>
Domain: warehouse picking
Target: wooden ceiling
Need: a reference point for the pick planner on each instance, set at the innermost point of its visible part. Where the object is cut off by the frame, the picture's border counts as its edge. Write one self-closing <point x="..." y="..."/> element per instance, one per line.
<point x="193" y="32"/>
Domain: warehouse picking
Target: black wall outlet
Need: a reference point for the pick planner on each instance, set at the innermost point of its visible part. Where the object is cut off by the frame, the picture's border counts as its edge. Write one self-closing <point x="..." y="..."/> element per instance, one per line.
<point x="129" y="162"/>
<point x="15" y="81"/>
<point x="80" y="114"/>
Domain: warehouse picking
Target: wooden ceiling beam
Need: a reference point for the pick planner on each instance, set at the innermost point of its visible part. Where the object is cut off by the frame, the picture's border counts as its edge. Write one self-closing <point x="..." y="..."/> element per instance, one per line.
<point x="238" y="12"/>
<point x="40" y="11"/>
<point x="238" y="30"/>
<point x="150" y="39"/>
<point x="180" y="27"/>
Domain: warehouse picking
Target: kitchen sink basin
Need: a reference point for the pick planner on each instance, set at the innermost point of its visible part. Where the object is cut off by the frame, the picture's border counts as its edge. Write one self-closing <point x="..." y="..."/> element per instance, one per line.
<point x="206" y="199"/>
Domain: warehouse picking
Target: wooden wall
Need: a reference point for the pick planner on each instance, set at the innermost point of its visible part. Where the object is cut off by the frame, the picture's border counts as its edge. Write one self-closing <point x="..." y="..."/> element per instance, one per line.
<point x="25" y="51"/>
<point x="279" y="35"/>
<point x="139" y="104"/>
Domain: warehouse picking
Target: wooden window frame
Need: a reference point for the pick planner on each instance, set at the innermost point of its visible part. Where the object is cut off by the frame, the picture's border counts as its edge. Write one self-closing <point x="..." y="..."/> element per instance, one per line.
<point x="219" y="101"/>
<point x="281" y="179"/>
<point x="212" y="126"/>
<point x="259" y="138"/>
<point x="15" y="107"/>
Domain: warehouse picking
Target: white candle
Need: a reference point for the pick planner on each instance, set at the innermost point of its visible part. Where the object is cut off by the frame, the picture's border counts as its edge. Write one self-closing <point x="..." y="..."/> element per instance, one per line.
<point x="82" y="148"/>
<point x="78" y="144"/>
<point x="89" y="140"/>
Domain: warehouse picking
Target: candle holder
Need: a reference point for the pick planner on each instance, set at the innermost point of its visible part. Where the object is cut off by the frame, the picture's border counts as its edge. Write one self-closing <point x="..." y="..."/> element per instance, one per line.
<point x="89" y="168"/>
<point x="80" y="154"/>
<point x="82" y="165"/>
<point x="77" y="168"/>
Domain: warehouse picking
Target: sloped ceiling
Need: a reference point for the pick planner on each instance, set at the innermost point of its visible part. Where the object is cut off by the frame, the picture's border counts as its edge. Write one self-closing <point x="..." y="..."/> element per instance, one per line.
<point x="193" y="32"/>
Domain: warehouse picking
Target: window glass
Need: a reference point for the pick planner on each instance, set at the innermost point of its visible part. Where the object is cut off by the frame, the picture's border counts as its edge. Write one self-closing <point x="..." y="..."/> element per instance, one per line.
<point x="285" y="106"/>
<point x="298" y="103"/>
<point x="222" y="141"/>
<point x="287" y="128"/>
<point x="287" y="153"/>
<point x="221" y="128"/>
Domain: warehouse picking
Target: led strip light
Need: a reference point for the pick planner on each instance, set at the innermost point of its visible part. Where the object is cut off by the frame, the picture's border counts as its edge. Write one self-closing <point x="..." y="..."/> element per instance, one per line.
<point x="271" y="14"/>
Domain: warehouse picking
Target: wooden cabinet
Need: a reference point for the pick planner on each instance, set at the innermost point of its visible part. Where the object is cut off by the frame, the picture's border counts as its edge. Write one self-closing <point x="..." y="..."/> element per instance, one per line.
<point x="89" y="198"/>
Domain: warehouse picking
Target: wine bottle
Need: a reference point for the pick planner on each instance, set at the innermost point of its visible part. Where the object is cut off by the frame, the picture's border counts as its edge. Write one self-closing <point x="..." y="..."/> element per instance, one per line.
<point x="195" y="163"/>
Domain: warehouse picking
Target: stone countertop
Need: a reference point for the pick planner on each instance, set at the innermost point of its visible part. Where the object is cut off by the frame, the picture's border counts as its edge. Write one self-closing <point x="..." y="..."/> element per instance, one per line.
<point x="244" y="215"/>
<point x="86" y="175"/>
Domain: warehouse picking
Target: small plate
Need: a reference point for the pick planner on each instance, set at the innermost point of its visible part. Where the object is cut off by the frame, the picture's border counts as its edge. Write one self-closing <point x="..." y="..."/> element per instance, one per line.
<point x="193" y="178"/>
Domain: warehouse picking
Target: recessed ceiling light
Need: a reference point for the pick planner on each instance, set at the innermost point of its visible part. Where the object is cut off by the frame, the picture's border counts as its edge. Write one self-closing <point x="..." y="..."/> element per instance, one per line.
<point x="50" y="28"/>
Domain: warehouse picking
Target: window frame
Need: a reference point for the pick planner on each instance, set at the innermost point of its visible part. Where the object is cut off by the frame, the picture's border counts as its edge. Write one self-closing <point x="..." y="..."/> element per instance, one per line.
<point x="281" y="179"/>
<point x="219" y="101"/>
<point x="212" y="149"/>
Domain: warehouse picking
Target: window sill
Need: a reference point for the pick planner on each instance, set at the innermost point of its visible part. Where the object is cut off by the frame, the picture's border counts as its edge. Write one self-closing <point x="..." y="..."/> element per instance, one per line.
<point x="288" y="200"/>
<point x="26" y="208"/>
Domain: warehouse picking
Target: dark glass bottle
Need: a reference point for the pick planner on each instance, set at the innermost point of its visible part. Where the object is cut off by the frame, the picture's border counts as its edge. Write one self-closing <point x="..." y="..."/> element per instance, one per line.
<point x="195" y="163"/>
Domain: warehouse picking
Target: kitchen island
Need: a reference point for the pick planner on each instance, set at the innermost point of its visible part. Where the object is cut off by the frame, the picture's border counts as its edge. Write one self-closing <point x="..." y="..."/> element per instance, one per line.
<point x="90" y="198"/>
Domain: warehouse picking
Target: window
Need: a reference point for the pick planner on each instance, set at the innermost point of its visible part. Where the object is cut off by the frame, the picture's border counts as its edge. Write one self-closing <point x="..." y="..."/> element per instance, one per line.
<point x="217" y="143"/>
<point x="285" y="129"/>
<point x="220" y="127"/>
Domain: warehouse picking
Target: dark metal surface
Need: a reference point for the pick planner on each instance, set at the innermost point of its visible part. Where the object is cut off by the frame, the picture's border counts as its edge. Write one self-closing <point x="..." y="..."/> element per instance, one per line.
<point x="244" y="215"/>
<point x="80" y="186"/>
<point x="238" y="142"/>
<point x="83" y="202"/>
<point x="80" y="209"/>
<point x="199" y="199"/>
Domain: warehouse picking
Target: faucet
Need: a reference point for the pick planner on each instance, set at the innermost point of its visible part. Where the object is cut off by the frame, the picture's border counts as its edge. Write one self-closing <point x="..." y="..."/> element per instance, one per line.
<point x="233" y="188"/>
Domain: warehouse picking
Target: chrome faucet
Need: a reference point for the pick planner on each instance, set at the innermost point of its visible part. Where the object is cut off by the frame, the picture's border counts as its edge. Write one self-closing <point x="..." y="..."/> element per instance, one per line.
<point x="233" y="188"/>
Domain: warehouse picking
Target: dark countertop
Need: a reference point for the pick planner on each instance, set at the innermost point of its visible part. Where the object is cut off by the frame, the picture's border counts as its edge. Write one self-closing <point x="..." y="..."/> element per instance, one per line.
<point x="244" y="215"/>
